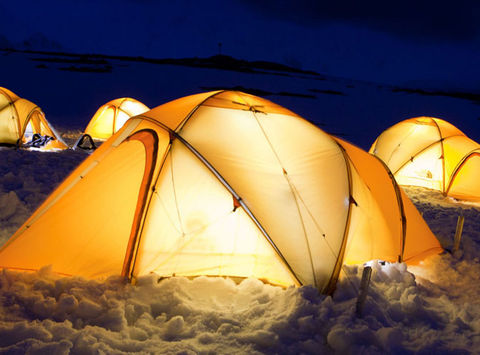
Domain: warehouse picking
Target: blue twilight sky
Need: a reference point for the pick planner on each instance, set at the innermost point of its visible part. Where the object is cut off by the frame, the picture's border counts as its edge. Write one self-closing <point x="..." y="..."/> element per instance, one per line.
<point x="417" y="43"/>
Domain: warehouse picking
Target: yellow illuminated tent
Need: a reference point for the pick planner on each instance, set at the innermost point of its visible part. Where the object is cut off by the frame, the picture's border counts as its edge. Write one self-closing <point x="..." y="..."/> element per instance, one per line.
<point x="226" y="184"/>
<point x="110" y="117"/>
<point x="21" y="121"/>
<point x="430" y="152"/>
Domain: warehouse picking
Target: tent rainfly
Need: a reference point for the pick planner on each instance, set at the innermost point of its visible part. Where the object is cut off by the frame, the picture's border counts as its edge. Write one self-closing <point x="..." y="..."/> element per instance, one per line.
<point x="111" y="116"/>
<point x="222" y="184"/>
<point x="430" y="152"/>
<point x="22" y="123"/>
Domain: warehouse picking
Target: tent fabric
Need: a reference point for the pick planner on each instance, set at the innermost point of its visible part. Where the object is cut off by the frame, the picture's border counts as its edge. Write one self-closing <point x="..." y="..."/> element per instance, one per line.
<point x="430" y="152"/>
<point x="408" y="237"/>
<point x="111" y="116"/>
<point x="222" y="184"/>
<point x="21" y="119"/>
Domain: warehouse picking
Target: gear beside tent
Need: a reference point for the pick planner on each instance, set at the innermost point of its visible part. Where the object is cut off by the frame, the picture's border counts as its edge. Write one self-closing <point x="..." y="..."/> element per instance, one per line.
<point x="108" y="119"/>
<point x="23" y="124"/>
<point x="430" y="152"/>
<point x="222" y="184"/>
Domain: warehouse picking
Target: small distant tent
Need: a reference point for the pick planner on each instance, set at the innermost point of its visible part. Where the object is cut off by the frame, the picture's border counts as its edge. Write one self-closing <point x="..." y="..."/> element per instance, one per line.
<point x="22" y="123"/>
<point x="430" y="152"/>
<point x="222" y="184"/>
<point x="111" y="116"/>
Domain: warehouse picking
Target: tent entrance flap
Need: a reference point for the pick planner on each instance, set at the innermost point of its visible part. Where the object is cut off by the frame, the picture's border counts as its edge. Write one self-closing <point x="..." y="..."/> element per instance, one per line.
<point x="149" y="139"/>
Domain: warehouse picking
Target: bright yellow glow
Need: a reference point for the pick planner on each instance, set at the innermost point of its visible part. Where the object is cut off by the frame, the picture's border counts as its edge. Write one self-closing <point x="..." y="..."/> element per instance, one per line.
<point x="110" y="117"/>
<point x="192" y="228"/>
<point x="428" y="152"/>
<point x="20" y="119"/>
<point x="425" y="169"/>
<point x="253" y="152"/>
<point x="238" y="193"/>
<point x="466" y="183"/>
<point x="82" y="240"/>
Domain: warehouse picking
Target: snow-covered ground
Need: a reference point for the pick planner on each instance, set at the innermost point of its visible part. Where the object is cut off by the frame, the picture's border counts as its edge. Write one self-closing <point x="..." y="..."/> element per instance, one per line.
<point x="430" y="308"/>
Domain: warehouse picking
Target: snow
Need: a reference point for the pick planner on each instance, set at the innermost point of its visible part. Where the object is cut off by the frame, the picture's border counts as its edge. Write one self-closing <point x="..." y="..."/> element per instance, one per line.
<point x="429" y="308"/>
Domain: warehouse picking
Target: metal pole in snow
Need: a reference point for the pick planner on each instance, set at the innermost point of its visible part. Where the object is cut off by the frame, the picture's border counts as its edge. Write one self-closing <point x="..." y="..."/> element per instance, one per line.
<point x="458" y="233"/>
<point x="366" y="276"/>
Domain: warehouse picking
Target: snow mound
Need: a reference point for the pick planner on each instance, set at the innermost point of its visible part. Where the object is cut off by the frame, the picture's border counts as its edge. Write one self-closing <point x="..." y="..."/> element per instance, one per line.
<point x="45" y="313"/>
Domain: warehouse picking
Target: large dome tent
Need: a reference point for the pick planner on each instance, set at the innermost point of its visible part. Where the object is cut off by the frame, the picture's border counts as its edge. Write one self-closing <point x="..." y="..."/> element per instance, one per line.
<point x="23" y="124"/>
<point x="219" y="184"/>
<point x="430" y="152"/>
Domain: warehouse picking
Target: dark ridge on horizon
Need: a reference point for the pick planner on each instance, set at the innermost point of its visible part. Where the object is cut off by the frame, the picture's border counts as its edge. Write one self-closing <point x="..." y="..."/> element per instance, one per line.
<point x="218" y="61"/>
<point x="77" y="60"/>
<point x="83" y="69"/>
<point x="328" y="92"/>
<point x="475" y="98"/>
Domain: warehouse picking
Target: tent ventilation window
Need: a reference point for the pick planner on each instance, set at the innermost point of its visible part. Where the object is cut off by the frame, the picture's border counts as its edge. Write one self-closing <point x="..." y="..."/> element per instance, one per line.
<point x="86" y="142"/>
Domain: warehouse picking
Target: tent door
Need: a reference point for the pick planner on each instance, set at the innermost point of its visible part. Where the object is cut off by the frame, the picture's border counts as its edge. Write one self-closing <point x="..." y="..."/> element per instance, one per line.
<point x="149" y="139"/>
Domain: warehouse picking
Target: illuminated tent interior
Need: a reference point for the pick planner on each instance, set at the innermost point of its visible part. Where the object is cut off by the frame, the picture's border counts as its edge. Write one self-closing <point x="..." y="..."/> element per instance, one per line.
<point x="430" y="152"/>
<point x="222" y="184"/>
<point x="23" y="124"/>
<point x="111" y="116"/>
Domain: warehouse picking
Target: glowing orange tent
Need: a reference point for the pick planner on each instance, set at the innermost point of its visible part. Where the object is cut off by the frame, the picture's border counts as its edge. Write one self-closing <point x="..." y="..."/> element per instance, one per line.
<point x="21" y="121"/>
<point x="226" y="184"/>
<point x="430" y="152"/>
<point x="111" y="116"/>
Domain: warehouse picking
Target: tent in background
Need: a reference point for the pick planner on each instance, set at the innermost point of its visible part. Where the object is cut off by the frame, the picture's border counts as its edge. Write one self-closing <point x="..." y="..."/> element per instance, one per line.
<point x="23" y="124"/>
<point x="430" y="152"/>
<point x="111" y="116"/>
<point x="224" y="184"/>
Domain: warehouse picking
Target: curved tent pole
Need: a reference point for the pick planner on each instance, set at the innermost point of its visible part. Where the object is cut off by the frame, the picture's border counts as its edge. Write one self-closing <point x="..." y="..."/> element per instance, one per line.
<point x="12" y="103"/>
<point x="190" y="114"/>
<point x="330" y="288"/>
<point x="241" y="202"/>
<point x="7" y="95"/>
<point x="457" y="169"/>
<point x="27" y="120"/>
<point x="424" y="149"/>
<point x="292" y="191"/>
<point x="443" y="153"/>
<point x="226" y="185"/>
<point x="401" y="208"/>
<point x="114" y="118"/>
<point x="130" y="277"/>
<point x="174" y="135"/>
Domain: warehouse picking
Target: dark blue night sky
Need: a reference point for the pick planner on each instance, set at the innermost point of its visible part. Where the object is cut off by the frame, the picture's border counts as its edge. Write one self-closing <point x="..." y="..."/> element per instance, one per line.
<point x="404" y="42"/>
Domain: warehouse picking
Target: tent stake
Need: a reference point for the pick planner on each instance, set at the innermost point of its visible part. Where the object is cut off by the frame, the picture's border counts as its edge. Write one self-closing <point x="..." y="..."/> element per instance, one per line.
<point x="367" y="274"/>
<point x="458" y="233"/>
